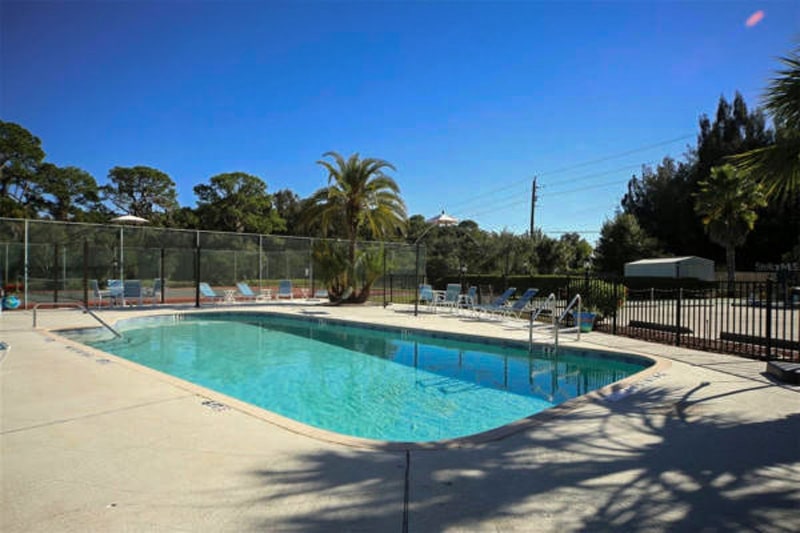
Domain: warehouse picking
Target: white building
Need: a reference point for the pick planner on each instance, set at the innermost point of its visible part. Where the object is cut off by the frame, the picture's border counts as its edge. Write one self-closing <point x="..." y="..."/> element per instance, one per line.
<point x="672" y="267"/>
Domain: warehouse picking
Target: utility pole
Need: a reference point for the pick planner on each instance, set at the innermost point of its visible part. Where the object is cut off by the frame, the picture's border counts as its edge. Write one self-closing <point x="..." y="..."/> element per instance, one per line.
<point x="533" y="204"/>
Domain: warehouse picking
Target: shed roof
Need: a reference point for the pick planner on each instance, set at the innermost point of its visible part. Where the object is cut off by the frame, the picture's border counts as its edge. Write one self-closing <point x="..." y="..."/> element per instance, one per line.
<point x="667" y="260"/>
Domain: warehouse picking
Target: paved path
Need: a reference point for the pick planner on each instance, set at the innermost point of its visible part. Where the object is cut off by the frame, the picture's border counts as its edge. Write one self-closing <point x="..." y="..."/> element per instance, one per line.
<point x="91" y="444"/>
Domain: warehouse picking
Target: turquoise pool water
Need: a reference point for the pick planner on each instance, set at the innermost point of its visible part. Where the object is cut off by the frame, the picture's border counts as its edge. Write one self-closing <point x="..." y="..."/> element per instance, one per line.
<point x="370" y="383"/>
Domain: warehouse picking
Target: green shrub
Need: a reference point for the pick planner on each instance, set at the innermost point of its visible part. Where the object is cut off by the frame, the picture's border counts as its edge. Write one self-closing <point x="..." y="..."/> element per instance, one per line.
<point x="600" y="297"/>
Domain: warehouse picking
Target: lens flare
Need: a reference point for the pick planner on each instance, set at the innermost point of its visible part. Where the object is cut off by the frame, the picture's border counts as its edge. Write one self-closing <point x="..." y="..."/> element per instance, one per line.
<point x="754" y="19"/>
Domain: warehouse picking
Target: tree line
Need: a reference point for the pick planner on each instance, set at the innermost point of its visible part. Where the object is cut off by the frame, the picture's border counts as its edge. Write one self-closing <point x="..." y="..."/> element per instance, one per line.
<point x="737" y="188"/>
<point x="240" y="202"/>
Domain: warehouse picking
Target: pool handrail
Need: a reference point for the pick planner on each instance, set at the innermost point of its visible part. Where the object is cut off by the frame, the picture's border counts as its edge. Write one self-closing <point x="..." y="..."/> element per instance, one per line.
<point x="79" y="306"/>
<point x="557" y="320"/>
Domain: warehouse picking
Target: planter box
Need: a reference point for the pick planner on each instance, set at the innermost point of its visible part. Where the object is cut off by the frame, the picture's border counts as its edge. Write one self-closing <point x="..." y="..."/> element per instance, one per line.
<point x="586" y="322"/>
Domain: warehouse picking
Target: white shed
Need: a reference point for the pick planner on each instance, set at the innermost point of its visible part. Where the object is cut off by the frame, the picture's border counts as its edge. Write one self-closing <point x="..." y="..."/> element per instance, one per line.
<point x="672" y="267"/>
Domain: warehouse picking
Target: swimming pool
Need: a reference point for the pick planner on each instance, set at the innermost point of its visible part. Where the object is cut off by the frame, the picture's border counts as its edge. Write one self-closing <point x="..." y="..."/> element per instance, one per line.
<point x="384" y="384"/>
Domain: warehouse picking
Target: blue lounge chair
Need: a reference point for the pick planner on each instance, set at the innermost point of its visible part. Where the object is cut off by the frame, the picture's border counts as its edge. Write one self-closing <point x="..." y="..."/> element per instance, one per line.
<point x="207" y="292"/>
<point x="285" y="289"/>
<point x="427" y="296"/>
<point x="245" y="291"/>
<point x="451" y="296"/>
<point x="132" y="290"/>
<point x="499" y="303"/>
<point x="519" y="306"/>
<point x="468" y="301"/>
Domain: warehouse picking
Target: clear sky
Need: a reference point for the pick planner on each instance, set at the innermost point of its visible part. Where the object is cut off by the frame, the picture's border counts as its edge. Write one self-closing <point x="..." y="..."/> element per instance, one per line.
<point x="469" y="100"/>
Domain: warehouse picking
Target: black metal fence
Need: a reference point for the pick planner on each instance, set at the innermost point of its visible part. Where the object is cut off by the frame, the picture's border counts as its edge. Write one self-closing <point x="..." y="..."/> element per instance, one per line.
<point x="754" y="319"/>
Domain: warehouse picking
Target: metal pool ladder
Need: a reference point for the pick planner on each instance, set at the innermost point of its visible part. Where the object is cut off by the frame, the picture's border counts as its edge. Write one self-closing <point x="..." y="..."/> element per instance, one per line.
<point x="576" y="302"/>
<point x="549" y="304"/>
<point x="81" y="307"/>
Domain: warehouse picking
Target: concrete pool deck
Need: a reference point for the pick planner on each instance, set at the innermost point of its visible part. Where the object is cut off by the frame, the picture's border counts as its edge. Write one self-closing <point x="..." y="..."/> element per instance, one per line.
<point x="89" y="444"/>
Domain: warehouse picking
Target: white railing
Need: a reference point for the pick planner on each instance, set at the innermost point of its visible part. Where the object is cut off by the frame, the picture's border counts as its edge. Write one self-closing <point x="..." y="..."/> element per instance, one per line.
<point x="79" y="306"/>
<point x="576" y="302"/>
<point x="549" y="304"/>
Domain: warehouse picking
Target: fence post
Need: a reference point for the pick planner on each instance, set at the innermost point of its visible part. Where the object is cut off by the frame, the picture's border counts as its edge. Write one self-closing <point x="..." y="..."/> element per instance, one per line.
<point x="678" y="317"/>
<point x="616" y="308"/>
<point x="385" y="303"/>
<point x="161" y="276"/>
<point x="86" y="273"/>
<point x="197" y="276"/>
<point x="768" y="324"/>
<point x="57" y="269"/>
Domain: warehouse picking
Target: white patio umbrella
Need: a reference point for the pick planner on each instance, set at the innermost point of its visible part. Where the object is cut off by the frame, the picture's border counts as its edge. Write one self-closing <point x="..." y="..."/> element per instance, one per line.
<point x="126" y="219"/>
<point x="130" y="219"/>
<point x="442" y="219"/>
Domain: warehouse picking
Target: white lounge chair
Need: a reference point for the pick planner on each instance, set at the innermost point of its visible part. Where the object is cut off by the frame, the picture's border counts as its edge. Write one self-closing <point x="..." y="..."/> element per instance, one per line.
<point x="97" y="293"/>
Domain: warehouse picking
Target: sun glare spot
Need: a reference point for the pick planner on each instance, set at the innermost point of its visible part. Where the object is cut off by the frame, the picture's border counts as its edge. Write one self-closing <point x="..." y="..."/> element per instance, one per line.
<point x="754" y="19"/>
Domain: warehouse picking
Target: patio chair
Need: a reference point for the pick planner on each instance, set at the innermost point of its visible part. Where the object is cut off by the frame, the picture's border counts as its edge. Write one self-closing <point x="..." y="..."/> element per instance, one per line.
<point x="285" y="289"/>
<point x="115" y="291"/>
<point x="155" y="291"/>
<point x="245" y="291"/>
<point x="321" y="294"/>
<point x="427" y="296"/>
<point x="97" y="293"/>
<point x="132" y="290"/>
<point x="519" y="306"/>
<point x="451" y="296"/>
<point x="498" y="304"/>
<point x="207" y="292"/>
<point x="468" y="301"/>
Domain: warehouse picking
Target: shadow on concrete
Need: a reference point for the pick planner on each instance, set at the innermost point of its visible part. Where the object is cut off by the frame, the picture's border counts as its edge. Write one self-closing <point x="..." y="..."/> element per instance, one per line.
<point x="656" y="460"/>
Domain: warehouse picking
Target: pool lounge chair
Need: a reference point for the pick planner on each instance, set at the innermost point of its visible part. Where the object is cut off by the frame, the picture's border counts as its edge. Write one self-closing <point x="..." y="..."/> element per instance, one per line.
<point x="498" y="304"/>
<point x="245" y="291"/>
<point x="285" y="289"/>
<point x="519" y="306"/>
<point x="427" y="296"/>
<point x="467" y="302"/>
<point x="207" y="292"/>
<point x="451" y="296"/>
<point x="321" y="294"/>
<point x="155" y="291"/>
<point x="132" y="291"/>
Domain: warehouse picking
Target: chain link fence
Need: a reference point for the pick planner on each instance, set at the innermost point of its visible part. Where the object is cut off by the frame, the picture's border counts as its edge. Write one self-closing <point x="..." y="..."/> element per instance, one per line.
<point x="50" y="262"/>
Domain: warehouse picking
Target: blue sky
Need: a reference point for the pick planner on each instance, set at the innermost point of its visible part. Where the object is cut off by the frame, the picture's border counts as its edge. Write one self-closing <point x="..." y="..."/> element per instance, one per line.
<point x="469" y="100"/>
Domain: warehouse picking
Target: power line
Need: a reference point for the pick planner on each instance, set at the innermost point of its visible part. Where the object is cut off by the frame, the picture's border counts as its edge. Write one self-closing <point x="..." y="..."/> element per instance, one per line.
<point x="572" y="167"/>
<point x="621" y="154"/>
<point x="563" y="231"/>
<point x="590" y="187"/>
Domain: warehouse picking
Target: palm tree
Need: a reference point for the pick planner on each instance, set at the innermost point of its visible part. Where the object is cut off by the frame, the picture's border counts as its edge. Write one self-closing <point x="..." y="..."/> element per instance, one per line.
<point x="727" y="202"/>
<point x="777" y="166"/>
<point x="360" y="200"/>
